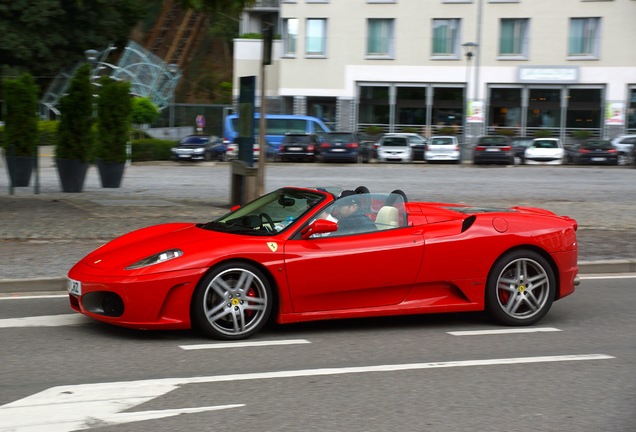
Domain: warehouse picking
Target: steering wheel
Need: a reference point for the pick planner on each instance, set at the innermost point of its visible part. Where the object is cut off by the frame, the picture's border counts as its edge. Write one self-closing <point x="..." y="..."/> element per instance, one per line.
<point x="268" y="220"/>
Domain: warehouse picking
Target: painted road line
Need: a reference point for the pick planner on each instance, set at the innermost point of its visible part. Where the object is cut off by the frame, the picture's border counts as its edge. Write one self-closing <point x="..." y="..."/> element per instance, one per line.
<point x="503" y="331"/>
<point x="599" y="277"/>
<point x="34" y="297"/>
<point x="45" y="321"/>
<point x="82" y="406"/>
<point x="244" y="344"/>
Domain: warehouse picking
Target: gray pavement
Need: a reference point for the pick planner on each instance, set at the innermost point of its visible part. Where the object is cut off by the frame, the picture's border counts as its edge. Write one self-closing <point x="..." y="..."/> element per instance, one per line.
<point x="43" y="235"/>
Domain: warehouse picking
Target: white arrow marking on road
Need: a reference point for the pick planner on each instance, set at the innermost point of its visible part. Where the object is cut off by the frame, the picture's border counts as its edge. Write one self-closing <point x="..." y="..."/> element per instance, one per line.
<point x="503" y="331"/>
<point x="77" y="407"/>
<point x="45" y="321"/>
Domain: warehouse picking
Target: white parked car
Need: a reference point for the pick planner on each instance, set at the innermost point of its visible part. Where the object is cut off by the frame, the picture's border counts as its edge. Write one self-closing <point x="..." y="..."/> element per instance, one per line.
<point x="395" y="147"/>
<point x="545" y="151"/>
<point x="232" y="151"/>
<point x="442" y="148"/>
<point x="624" y="145"/>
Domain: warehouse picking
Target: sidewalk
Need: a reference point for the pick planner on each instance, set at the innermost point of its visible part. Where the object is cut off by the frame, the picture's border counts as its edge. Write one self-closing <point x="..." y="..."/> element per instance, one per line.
<point x="42" y="236"/>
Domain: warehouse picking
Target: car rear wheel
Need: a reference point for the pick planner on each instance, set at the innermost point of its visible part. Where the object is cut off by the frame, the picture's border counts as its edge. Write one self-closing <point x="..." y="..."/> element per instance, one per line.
<point x="232" y="302"/>
<point x="520" y="288"/>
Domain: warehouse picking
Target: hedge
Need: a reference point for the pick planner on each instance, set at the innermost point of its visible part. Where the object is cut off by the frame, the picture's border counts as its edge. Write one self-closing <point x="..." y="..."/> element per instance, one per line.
<point x="151" y="149"/>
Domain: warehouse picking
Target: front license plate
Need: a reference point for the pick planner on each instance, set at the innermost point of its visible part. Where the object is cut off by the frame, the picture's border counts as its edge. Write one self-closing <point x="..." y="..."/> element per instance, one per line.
<point x="74" y="287"/>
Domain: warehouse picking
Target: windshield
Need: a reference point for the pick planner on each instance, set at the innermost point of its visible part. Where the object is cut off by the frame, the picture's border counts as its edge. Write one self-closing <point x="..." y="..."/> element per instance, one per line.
<point x="269" y="214"/>
<point x="195" y="140"/>
<point x="442" y="141"/>
<point x="394" y="142"/>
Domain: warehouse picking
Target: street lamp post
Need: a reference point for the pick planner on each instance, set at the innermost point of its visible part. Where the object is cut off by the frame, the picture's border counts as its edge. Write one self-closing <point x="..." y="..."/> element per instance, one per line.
<point x="469" y="51"/>
<point x="173" y="69"/>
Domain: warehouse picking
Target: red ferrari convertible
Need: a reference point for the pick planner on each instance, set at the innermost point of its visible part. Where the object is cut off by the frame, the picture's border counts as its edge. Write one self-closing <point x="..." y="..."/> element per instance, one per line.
<point x="300" y="254"/>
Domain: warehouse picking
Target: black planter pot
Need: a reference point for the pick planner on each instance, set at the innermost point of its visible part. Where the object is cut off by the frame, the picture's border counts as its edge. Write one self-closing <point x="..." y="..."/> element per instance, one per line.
<point x="20" y="169"/>
<point x="110" y="173"/>
<point x="72" y="174"/>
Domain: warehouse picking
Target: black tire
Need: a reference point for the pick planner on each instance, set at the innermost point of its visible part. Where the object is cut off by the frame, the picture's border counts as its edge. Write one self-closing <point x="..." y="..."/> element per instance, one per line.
<point x="520" y="289"/>
<point x="233" y="301"/>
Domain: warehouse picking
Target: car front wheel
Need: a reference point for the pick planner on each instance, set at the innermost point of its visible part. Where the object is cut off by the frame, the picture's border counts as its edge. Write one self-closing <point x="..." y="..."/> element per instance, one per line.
<point x="232" y="302"/>
<point x="521" y="288"/>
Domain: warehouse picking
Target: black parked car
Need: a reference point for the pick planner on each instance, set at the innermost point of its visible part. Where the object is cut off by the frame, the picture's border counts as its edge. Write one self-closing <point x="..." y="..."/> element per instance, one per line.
<point x="340" y="147"/>
<point x="199" y="147"/>
<point x="592" y="152"/>
<point x="299" y="147"/>
<point x="519" y="146"/>
<point x="493" y="149"/>
<point x="368" y="150"/>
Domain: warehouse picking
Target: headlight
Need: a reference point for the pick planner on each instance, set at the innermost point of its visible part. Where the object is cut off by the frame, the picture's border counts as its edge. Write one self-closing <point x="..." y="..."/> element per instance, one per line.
<point x="156" y="259"/>
<point x="199" y="150"/>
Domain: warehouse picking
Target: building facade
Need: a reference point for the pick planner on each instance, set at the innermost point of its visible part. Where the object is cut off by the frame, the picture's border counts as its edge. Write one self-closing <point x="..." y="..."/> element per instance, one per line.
<point x="469" y="66"/>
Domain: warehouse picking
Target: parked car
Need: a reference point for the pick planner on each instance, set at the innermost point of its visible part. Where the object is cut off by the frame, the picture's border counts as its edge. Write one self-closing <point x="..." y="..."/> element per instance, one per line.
<point x="299" y="147"/>
<point x="442" y="148"/>
<point x="368" y="150"/>
<point x="340" y="147"/>
<point x="396" y="147"/>
<point x="624" y="145"/>
<point x="493" y="149"/>
<point x="232" y="151"/>
<point x="519" y="146"/>
<point x="277" y="256"/>
<point x="418" y="144"/>
<point x="199" y="147"/>
<point x="592" y="152"/>
<point x="545" y="151"/>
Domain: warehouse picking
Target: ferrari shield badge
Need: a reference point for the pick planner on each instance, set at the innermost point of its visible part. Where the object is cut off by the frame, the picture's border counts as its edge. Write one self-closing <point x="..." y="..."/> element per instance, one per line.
<point x="273" y="246"/>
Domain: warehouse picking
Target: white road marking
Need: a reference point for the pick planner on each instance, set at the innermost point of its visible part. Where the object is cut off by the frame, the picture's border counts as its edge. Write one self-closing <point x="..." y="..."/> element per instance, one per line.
<point x="33" y="297"/>
<point x="503" y="331"/>
<point x="45" y="321"/>
<point x="244" y="344"/>
<point x="77" y="407"/>
<point x="597" y="277"/>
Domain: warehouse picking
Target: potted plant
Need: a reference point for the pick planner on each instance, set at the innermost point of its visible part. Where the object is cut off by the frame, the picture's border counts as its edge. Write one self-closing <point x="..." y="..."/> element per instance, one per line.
<point x="74" y="133"/>
<point x="542" y="133"/>
<point x="21" y="128"/>
<point x="114" y="106"/>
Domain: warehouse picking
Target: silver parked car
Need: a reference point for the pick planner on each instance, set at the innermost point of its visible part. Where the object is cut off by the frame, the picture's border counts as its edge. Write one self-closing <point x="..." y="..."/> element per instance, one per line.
<point x="624" y="144"/>
<point x="442" y="148"/>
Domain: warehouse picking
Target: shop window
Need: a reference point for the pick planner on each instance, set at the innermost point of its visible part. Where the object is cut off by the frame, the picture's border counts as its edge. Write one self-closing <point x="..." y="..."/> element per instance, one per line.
<point x="505" y="107"/>
<point x="584" y="108"/>
<point x="410" y="106"/>
<point x="374" y="105"/>
<point x="544" y="108"/>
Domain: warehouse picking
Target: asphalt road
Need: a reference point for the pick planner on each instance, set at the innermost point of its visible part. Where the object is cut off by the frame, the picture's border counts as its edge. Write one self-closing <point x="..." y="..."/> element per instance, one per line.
<point x="574" y="371"/>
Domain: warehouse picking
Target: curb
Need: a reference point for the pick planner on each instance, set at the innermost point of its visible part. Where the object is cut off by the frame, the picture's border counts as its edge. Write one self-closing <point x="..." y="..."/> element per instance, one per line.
<point x="12" y="286"/>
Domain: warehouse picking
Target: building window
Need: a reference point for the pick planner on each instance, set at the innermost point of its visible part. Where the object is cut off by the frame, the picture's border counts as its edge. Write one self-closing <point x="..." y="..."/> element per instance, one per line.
<point x="290" y="36"/>
<point x="380" y="38"/>
<point x="513" y="39"/>
<point x="446" y="38"/>
<point x="584" y="37"/>
<point x="316" y="37"/>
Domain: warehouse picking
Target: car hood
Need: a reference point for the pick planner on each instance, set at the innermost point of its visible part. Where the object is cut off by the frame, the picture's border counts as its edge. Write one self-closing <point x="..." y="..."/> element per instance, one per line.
<point x="196" y="244"/>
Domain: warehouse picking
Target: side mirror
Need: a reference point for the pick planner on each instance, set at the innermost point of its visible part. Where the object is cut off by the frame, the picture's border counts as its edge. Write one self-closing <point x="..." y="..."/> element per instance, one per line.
<point x="320" y="226"/>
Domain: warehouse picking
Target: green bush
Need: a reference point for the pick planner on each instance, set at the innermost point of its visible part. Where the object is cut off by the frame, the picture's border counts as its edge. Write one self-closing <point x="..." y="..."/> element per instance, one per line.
<point x="144" y="111"/>
<point x="151" y="149"/>
<point x="47" y="131"/>
<point x="21" y="125"/>
<point x="74" y="134"/>
<point x="113" y="120"/>
<point x="542" y="133"/>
